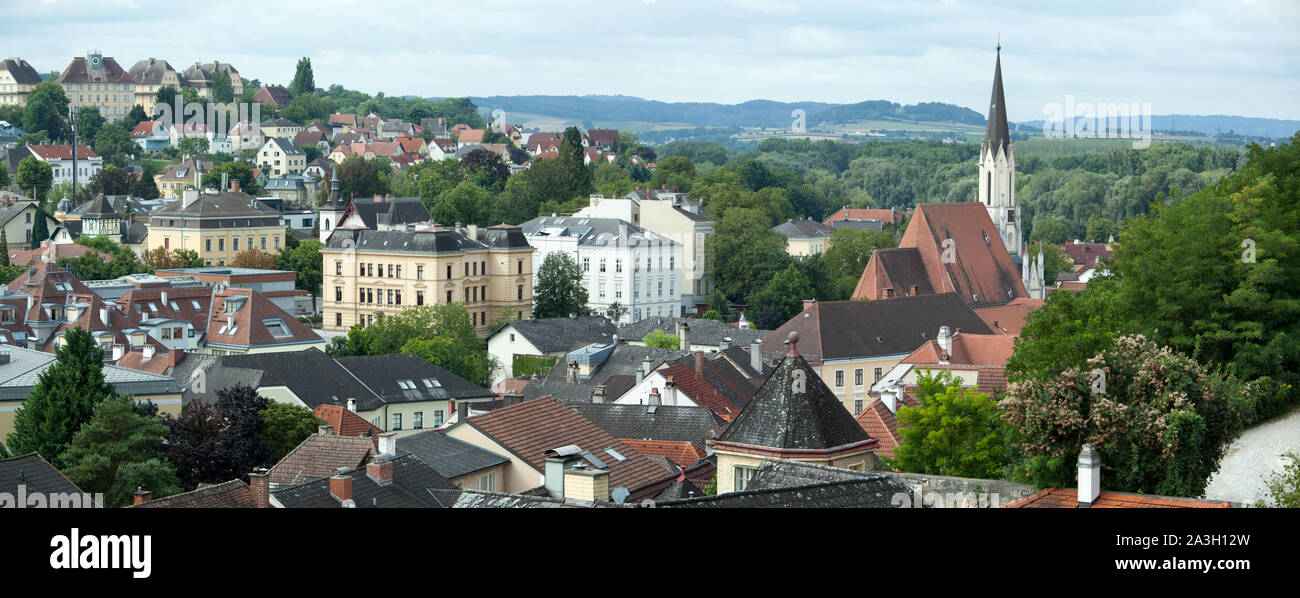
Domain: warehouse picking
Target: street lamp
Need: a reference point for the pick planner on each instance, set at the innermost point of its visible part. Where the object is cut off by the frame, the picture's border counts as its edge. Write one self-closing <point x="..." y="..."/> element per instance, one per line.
<point x="73" y="117"/>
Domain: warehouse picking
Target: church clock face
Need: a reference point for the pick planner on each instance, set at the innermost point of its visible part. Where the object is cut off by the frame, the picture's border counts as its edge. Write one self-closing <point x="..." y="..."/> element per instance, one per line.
<point x="95" y="61"/>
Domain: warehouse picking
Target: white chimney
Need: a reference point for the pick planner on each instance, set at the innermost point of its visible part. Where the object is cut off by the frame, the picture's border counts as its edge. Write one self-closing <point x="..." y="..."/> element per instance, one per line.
<point x="945" y="341"/>
<point x="654" y="397"/>
<point x="670" y="389"/>
<point x="148" y="351"/>
<point x="117" y="352"/>
<point x="352" y="405"/>
<point x="388" y="444"/>
<point x="725" y="344"/>
<point x="890" y="399"/>
<point x="164" y="298"/>
<point x="756" y="356"/>
<point x="684" y="334"/>
<point x="188" y="197"/>
<point x="103" y="315"/>
<point x="1089" y="475"/>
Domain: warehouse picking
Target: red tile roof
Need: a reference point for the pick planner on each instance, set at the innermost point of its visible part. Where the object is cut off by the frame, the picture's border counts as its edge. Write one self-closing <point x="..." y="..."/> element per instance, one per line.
<point x="319" y="457"/>
<point x="346" y="423"/>
<point x="471" y="136"/>
<point x="23" y="257"/>
<point x="1086" y="254"/>
<point x="1067" y="498"/>
<point x="1010" y="318"/>
<point x="531" y="428"/>
<point x="684" y="454"/>
<point x="885" y="216"/>
<point x="234" y="494"/>
<point x="61" y="152"/>
<point x="967" y="349"/>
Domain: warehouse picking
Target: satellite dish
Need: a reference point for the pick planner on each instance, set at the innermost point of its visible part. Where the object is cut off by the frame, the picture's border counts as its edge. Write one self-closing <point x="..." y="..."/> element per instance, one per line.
<point x="620" y="495"/>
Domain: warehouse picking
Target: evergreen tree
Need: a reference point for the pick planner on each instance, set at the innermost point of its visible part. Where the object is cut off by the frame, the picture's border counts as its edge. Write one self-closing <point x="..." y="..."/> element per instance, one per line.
<point x="559" y="290"/>
<point x="4" y="178"/>
<point x="63" y="399"/>
<point x="115" y="453"/>
<point x="303" y="81"/>
<point x="222" y="89"/>
<point x="4" y="247"/>
<point x="40" y="229"/>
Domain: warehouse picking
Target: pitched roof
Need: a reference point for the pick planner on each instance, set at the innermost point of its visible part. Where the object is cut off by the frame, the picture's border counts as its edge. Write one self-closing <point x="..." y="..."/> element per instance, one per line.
<point x="531" y="428"/>
<point x="383" y="373"/>
<point x="150" y="71"/>
<point x="717" y="384"/>
<point x="346" y="423"/>
<point x="451" y="457"/>
<point x="36" y="474"/>
<point x="234" y="494"/>
<point x="800" y="229"/>
<point x="389" y="211"/>
<point x="997" y="136"/>
<point x="967" y="349"/>
<point x="471" y="136"/>
<point x="842" y="329"/>
<point x="669" y="423"/>
<point x="227" y="204"/>
<point x="794" y="409"/>
<point x="882" y="214"/>
<point x="319" y="457"/>
<point x="882" y="424"/>
<point x="79" y="71"/>
<point x="272" y="95"/>
<point x="790" y="484"/>
<point x="22" y="72"/>
<point x="1009" y="318"/>
<point x="410" y="488"/>
<point x="684" y="454"/>
<point x="61" y="152"/>
<point x="1086" y="254"/>
<point x="561" y="334"/>
<point x="1068" y="498"/>
<point x="892" y="273"/>
<point x="702" y="331"/>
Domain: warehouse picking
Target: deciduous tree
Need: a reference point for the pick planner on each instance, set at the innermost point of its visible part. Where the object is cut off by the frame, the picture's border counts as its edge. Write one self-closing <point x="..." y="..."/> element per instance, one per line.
<point x="116" y="452"/>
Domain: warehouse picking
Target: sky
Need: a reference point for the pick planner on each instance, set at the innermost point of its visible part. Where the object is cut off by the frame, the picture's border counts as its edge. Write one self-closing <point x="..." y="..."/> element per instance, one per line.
<point x="1234" y="57"/>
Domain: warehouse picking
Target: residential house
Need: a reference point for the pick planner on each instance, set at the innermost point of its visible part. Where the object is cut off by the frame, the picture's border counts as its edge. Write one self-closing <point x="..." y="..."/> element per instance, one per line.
<point x="549" y="337"/>
<point x="441" y="149"/>
<point x="344" y="422"/>
<point x="804" y="237"/>
<point x="723" y="385"/>
<point x="312" y="137"/>
<point x="1008" y="318"/>
<point x="319" y="168"/>
<point x="234" y="494"/>
<point x="888" y="216"/>
<point x="598" y="372"/>
<point x="245" y="135"/>
<point x="150" y="76"/>
<point x="280" y="127"/>
<point x="280" y="156"/>
<point x="621" y="263"/>
<point x="387" y="481"/>
<point x="99" y="81"/>
<point x="851" y="344"/>
<point x="466" y="465"/>
<point x="200" y="77"/>
<point x="216" y="224"/>
<point x="693" y="334"/>
<point x="59" y="157"/>
<point x="219" y="321"/>
<point x="17" y="79"/>
<point x="56" y="251"/>
<point x="367" y="273"/>
<point x="603" y="138"/>
<point x="278" y="286"/>
<point x="469" y="137"/>
<point x="320" y="456"/>
<point x="18" y="219"/>
<point x="38" y="485"/>
<point x="152" y="136"/>
<point x="174" y="178"/>
<point x="291" y="188"/>
<point x="272" y="95"/>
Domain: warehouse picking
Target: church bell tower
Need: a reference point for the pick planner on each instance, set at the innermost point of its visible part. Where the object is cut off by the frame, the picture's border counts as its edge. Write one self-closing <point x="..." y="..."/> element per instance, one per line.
<point x="997" y="170"/>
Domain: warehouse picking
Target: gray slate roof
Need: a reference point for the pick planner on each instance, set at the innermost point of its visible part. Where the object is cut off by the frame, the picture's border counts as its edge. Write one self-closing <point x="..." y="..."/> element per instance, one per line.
<point x="562" y="334"/>
<point x="703" y="331"/>
<point x="394" y="241"/>
<point x="412" y="482"/>
<point x="19" y="376"/>
<point x="803" y="229"/>
<point x="788" y="484"/>
<point x="35" y="473"/>
<point x="676" y="423"/>
<point x="781" y="416"/>
<point x="449" y="456"/>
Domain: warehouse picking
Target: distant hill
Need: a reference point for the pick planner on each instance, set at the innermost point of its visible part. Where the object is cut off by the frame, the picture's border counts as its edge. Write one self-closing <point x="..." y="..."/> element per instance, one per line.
<point x="1212" y="125"/>
<point x="754" y="113"/>
<point x="886" y="110"/>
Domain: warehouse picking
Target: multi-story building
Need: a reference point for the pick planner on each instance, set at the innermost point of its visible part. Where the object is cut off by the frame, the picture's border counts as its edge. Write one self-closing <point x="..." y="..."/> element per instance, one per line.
<point x="670" y="214"/>
<point x="804" y="237"/>
<point x="621" y="263"/>
<point x="200" y="76"/>
<point x="17" y="78"/>
<point x="372" y="273"/>
<point x="280" y="156"/>
<point x="175" y="177"/>
<point x="99" y="81"/>
<point x="59" y="157"/>
<point x="280" y="127"/>
<point x="150" y="76"/>
<point x="218" y="225"/>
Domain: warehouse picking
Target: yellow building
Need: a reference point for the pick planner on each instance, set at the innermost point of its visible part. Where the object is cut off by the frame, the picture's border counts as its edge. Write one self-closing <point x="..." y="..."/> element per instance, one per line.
<point x="17" y="78"/>
<point x="150" y="76"/>
<point x="174" y="178"/>
<point x="99" y="81"/>
<point x="280" y="156"/>
<point x="804" y="237"/>
<point x="369" y="273"/>
<point x="218" y="225"/>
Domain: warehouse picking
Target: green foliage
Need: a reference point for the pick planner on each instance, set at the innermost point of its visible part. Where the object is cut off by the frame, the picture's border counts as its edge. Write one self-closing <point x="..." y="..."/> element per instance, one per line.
<point x="1050" y="230"/>
<point x="467" y="203"/>
<point x="529" y="365"/>
<point x="1055" y="261"/>
<point x="303" y="80"/>
<point x="307" y="107"/>
<point x="662" y="340"/>
<point x="743" y="254"/>
<point x="4" y="178"/>
<point x="286" y="426"/>
<point x="217" y="442"/>
<point x="785" y="292"/>
<point x="848" y="252"/>
<point x="359" y="177"/>
<point x="442" y="334"/>
<point x="223" y="89"/>
<point x="713" y="314"/>
<point x="1284" y="488"/>
<point x="305" y="259"/>
<point x="46" y="111"/>
<point x="1066" y="331"/>
<point x="122" y="261"/>
<point x="1153" y="414"/>
<point x="165" y="96"/>
<point x="954" y="431"/>
<point x="62" y="401"/>
<point x="113" y="142"/>
<point x="34" y="175"/>
<point x="40" y="228"/>
<point x="133" y="118"/>
<point x="115" y="453"/>
<point x="559" y="291"/>
<point x="241" y="172"/>
<point x="192" y="146"/>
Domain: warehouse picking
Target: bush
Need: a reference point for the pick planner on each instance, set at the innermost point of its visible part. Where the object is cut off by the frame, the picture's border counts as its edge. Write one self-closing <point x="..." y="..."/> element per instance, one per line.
<point x="527" y="365"/>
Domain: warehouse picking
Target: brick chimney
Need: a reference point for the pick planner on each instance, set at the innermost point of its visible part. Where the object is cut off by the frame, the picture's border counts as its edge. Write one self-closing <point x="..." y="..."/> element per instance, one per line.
<point x="234" y="186"/>
<point x="699" y="363"/>
<point x="325" y="430"/>
<point x="259" y="486"/>
<point x="341" y="487"/>
<point x="380" y="468"/>
<point x="1089" y="475"/>
<point x="140" y="496"/>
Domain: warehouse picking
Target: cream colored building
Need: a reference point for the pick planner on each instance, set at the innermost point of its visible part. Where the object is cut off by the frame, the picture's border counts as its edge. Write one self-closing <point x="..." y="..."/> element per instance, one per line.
<point x="218" y="225"/>
<point x="804" y="237"/>
<point x="99" y="81"/>
<point x="150" y="76"/>
<point x="17" y="79"/>
<point x="369" y="273"/>
<point x="280" y="156"/>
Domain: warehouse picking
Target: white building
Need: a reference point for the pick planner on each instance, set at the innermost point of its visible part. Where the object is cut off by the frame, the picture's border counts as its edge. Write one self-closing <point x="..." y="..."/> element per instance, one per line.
<point x="620" y="261"/>
<point x="59" y="157"/>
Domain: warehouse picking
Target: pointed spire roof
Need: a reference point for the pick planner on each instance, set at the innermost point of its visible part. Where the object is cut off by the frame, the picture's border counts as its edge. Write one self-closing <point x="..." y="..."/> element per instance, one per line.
<point x="794" y="409"/>
<point x="997" y="135"/>
<point x="101" y="206"/>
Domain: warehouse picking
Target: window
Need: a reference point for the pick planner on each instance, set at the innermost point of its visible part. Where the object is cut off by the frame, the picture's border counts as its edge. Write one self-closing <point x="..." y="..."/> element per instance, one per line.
<point x="263" y="243"/>
<point x="338" y="293"/>
<point x="397" y="297"/>
<point x="618" y="265"/>
<point x="857" y="406"/>
<point x="448" y="271"/>
<point x="839" y="378"/>
<point x="879" y="374"/>
<point x="338" y="268"/>
<point x="419" y="272"/>
<point x="448" y="296"/>
<point x="742" y="477"/>
<point x="519" y="267"/>
<point x="602" y="264"/>
<point x="234" y="243"/>
<point x="397" y="421"/>
<point x="419" y="297"/>
<point x="857" y="377"/>
<point x="221" y="244"/>
<point x="390" y="296"/>
<point x="488" y="481"/>
<point x="338" y="319"/>
<point x="672" y="262"/>
<point x="417" y="420"/>
<point x="586" y="264"/>
<point x="207" y="244"/>
<point x="390" y="270"/>
<point x="520" y="293"/>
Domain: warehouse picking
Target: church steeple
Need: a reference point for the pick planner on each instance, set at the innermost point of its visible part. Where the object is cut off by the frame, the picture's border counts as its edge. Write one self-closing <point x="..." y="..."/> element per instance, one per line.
<point x="997" y="136"/>
<point x="997" y="169"/>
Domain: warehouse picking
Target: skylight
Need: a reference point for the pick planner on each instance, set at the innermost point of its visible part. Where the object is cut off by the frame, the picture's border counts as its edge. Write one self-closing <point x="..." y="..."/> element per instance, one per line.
<point x="153" y="307"/>
<point x="195" y="304"/>
<point x="432" y="383"/>
<point x="406" y="384"/>
<point x="277" y="328"/>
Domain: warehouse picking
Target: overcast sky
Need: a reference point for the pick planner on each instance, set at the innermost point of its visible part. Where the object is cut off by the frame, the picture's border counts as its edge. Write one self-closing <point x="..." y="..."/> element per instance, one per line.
<point x="1238" y="57"/>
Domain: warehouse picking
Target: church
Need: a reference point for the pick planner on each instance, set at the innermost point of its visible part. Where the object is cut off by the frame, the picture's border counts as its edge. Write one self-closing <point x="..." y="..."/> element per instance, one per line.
<point x="974" y="249"/>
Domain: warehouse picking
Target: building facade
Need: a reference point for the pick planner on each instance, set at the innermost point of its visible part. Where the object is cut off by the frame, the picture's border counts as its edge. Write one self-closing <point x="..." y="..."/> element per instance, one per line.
<point x="99" y="81"/>
<point x="218" y="225"/>
<point x="17" y="79"/>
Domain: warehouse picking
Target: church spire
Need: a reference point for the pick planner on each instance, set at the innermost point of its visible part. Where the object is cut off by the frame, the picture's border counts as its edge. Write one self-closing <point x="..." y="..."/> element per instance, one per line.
<point x="997" y="134"/>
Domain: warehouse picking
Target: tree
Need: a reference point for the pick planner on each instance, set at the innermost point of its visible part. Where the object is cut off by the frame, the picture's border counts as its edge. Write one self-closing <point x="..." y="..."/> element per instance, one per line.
<point x="255" y="259"/>
<point x="40" y="228"/>
<point x="616" y="311"/>
<point x="662" y="340"/>
<point x="304" y="259"/>
<point x="113" y="142"/>
<point x="34" y="176"/>
<point x="1050" y="230"/>
<point x="785" y="292"/>
<point x="166" y="96"/>
<point x="306" y="107"/>
<point x="192" y="146"/>
<point x="110" y="181"/>
<point x="467" y="203"/>
<point x="1284" y="487"/>
<point x="89" y="121"/>
<point x="361" y="178"/>
<point x="674" y="171"/>
<point x="559" y="291"/>
<point x="47" y="110"/>
<point x="217" y="443"/>
<point x="133" y="118"/>
<point x="159" y="258"/>
<point x="442" y="334"/>
<point x="223" y="90"/>
<point x="63" y="399"/>
<point x="1152" y="412"/>
<point x="847" y="253"/>
<point x="1055" y="261"/>
<point x="743" y="254"/>
<point x="1066" y="331"/>
<point x="303" y="81"/>
<point x="4" y="247"/>
<point x="241" y="172"/>
<point x="91" y="266"/>
<point x="954" y="431"/>
<point x="1100" y="229"/>
<point x="116" y="452"/>
<point x="486" y="168"/>
<point x="4" y="178"/>
<point x="286" y="426"/>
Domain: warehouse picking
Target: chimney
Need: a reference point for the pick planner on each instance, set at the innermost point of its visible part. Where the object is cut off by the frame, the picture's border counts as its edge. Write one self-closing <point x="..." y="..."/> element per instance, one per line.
<point x="325" y="430"/>
<point x="471" y="231"/>
<point x="699" y="363"/>
<point x="380" y="468"/>
<point x="352" y="405"/>
<point x="725" y="344"/>
<point x="807" y="303"/>
<point x="890" y="399"/>
<point x="225" y="180"/>
<point x="164" y="298"/>
<point x="148" y="351"/>
<point x="512" y="397"/>
<point x="140" y="496"/>
<point x="553" y="471"/>
<point x="462" y="411"/>
<point x="598" y="395"/>
<point x="585" y="484"/>
<point x="234" y="186"/>
<point x="573" y="372"/>
<point x="388" y="444"/>
<point x="670" y="389"/>
<point x="1089" y="475"/>
<point x="654" y="397"/>
<point x="684" y="334"/>
<point x="259" y="487"/>
<point x="118" y="350"/>
<point x="945" y="341"/>
<point x="103" y="315"/>
<point x="756" y="356"/>
<point x="341" y="487"/>
<point x="188" y="197"/>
